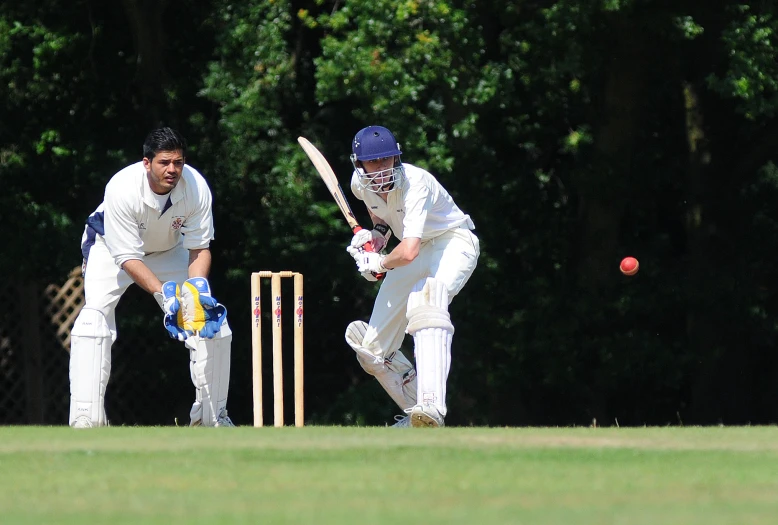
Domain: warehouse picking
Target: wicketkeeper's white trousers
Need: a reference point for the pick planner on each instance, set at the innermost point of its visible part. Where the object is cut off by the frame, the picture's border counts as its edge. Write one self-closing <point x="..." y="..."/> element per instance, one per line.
<point x="104" y="285"/>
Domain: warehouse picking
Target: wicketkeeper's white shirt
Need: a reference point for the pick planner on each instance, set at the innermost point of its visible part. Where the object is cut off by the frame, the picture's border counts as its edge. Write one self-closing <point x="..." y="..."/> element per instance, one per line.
<point x="138" y="223"/>
<point x="421" y="207"/>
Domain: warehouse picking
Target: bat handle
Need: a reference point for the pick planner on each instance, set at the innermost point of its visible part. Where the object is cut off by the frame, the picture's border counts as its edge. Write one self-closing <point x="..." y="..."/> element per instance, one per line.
<point x="368" y="248"/>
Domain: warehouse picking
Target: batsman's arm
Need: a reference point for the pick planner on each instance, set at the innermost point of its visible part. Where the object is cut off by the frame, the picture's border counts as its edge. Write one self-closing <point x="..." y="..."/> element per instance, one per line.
<point x="377" y="220"/>
<point x="404" y="253"/>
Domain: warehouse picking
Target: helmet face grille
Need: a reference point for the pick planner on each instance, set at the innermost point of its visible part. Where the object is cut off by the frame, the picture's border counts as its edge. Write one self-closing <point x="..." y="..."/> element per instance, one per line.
<point x="375" y="142"/>
<point x="382" y="181"/>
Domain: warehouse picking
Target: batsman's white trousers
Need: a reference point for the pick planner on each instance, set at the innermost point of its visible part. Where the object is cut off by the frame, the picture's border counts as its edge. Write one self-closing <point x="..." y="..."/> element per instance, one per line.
<point x="450" y="258"/>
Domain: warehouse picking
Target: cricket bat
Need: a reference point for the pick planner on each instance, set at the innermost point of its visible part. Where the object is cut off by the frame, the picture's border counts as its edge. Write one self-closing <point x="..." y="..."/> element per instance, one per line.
<point x="331" y="181"/>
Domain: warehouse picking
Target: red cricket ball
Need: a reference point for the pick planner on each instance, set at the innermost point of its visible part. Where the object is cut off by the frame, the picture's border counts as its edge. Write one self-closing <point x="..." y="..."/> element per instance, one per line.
<point x="629" y="266"/>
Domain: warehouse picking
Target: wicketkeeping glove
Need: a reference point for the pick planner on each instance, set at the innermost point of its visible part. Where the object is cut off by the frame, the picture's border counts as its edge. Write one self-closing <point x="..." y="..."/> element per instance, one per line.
<point x="203" y="315"/>
<point x="174" y="319"/>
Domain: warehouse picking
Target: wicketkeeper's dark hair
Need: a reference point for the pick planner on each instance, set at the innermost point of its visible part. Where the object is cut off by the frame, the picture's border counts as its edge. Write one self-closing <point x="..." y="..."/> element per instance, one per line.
<point x="163" y="139"/>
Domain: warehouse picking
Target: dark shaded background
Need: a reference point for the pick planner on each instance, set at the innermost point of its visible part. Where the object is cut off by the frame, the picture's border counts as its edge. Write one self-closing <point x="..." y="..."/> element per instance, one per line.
<point x="574" y="135"/>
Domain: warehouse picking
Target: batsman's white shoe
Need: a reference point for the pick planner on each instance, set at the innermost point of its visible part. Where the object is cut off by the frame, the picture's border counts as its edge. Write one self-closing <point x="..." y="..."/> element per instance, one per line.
<point x="224" y="420"/>
<point x="82" y="422"/>
<point x="426" y="416"/>
<point x="402" y="422"/>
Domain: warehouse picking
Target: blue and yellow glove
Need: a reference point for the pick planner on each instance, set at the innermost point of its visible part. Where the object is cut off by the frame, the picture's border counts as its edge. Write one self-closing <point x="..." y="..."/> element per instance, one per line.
<point x="203" y="315"/>
<point x="174" y="318"/>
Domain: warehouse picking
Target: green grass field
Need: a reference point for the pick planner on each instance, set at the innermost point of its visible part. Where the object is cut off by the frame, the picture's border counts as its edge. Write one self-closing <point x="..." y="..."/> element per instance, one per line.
<point x="395" y="476"/>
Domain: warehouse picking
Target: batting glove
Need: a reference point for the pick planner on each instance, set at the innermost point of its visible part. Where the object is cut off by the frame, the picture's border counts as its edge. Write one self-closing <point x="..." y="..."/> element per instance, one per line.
<point x="354" y="252"/>
<point x="203" y="315"/>
<point x="371" y="262"/>
<point x="378" y="237"/>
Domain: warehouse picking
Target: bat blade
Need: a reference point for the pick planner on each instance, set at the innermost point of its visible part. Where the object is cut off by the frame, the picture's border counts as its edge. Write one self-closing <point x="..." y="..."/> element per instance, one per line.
<point x="331" y="181"/>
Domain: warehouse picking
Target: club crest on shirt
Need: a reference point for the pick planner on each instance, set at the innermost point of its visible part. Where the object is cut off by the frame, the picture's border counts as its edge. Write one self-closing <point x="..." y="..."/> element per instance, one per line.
<point x="177" y="223"/>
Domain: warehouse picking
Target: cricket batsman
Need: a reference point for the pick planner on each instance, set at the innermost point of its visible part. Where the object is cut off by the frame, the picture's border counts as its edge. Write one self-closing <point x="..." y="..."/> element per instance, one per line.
<point x="435" y="257"/>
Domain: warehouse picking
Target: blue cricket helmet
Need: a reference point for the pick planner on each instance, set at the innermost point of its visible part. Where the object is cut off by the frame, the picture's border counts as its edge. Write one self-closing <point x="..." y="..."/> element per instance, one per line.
<point x="374" y="142"/>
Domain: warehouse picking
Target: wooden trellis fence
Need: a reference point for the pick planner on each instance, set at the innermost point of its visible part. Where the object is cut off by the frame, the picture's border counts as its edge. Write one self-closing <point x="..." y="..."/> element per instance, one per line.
<point x="64" y="304"/>
<point x="34" y="343"/>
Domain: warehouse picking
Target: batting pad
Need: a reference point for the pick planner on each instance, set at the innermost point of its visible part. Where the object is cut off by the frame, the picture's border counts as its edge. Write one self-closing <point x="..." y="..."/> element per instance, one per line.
<point x="430" y="325"/>
<point x="394" y="372"/>
<point x="209" y="367"/>
<point x="90" y="366"/>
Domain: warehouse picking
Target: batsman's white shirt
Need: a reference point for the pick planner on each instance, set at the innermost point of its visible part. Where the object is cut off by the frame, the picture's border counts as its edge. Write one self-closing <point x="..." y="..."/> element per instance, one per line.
<point x="421" y="208"/>
<point x="133" y="222"/>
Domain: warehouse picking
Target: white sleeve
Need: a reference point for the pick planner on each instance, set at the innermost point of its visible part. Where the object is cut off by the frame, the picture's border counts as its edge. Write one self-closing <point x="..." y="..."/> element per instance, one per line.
<point x="198" y="226"/>
<point x="122" y="236"/>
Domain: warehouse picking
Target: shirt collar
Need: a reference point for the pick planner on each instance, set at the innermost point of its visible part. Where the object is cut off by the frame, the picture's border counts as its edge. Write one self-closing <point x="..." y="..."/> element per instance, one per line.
<point x="174" y="196"/>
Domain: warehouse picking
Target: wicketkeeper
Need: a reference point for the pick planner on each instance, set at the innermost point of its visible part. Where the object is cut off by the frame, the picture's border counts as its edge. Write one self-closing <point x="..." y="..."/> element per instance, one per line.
<point x="435" y="257"/>
<point x="153" y="228"/>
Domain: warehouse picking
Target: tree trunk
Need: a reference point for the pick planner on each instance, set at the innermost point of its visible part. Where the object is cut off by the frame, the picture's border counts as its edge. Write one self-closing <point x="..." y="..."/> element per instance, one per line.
<point x="148" y="32"/>
<point x="603" y="191"/>
<point x="700" y="328"/>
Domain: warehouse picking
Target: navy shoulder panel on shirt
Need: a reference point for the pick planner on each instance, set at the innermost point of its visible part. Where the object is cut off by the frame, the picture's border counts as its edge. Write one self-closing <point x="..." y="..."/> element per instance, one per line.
<point x="95" y="225"/>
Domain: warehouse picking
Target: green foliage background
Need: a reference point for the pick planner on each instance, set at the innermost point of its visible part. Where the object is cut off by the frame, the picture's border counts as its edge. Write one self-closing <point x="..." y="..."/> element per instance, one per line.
<point x="574" y="133"/>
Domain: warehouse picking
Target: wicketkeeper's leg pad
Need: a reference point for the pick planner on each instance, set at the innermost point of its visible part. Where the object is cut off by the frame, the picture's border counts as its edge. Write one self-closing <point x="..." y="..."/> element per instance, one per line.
<point x="209" y="367"/>
<point x="90" y="368"/>
<point x="430" y="325"/>
<point x="394" y="371"/>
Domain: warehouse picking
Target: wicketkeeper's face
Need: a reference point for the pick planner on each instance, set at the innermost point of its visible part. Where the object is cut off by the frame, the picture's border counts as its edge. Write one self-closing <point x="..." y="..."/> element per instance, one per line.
<point x="164" y="170"/>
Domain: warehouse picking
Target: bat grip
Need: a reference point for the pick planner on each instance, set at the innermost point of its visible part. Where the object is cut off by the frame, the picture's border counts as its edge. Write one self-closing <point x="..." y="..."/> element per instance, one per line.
<point x="368" y="246"/>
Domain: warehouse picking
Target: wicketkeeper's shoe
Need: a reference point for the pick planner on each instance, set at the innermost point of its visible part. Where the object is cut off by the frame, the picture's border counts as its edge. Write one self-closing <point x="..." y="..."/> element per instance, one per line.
<point x="85" y="422"/>
<point x="426" y="416"/>
<point x="82" y="422"/>
<point x="402" y="422"/>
